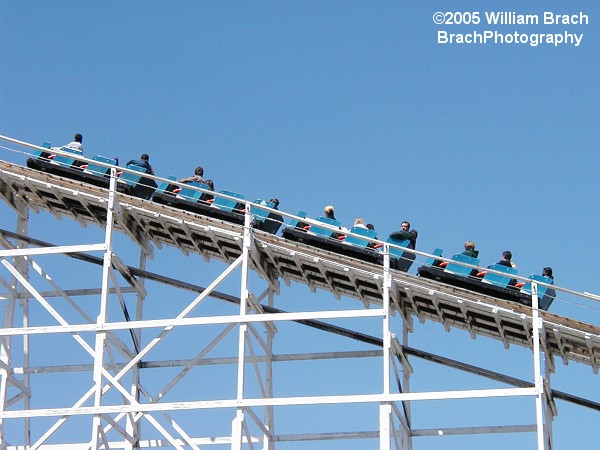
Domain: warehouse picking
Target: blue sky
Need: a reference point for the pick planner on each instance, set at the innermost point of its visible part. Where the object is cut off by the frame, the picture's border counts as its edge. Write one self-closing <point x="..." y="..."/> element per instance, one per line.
<point x="353" y="104"/>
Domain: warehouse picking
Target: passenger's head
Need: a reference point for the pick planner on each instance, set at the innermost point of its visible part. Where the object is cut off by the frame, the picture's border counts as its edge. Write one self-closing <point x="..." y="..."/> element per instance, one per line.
<point x="507" y="255"/>
<point x="328" y="210"/>
<point x="469" y="245"/>
<point x="370" y="226"/>
<point x="405" y="225"/>
<point x="210" y="184"/>
<point x="199" y="171"/>
<point x="275" y="202"/>
<point x="78" y="138"/>
<point x="359" y="221"/>
<point x="145" y="157"/>
<point x="547" y="272"/>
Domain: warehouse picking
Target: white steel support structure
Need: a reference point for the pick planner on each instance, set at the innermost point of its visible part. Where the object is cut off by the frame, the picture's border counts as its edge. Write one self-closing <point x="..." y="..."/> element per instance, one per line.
<point x="240" y="430"/>
<point x="133" y="425"/>
<point x="6" y="348"/>
<point x="22" y="226"/>
<point x="390" y="435"/>
<point x="97" y="434"/>
<point x="385" y="409"/>
<point x="541" y="402"/>
<point x="127" y="399"/>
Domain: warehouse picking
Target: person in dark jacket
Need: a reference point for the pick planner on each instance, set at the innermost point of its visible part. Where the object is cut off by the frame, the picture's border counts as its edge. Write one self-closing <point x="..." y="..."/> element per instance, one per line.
<point x="405" y="233"/>
<point x="507" y="260"/>
<point x="143" y="162"/>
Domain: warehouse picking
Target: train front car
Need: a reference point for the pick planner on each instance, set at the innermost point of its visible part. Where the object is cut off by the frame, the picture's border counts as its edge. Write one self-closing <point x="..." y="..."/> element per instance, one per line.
<point x="134" y="181"/>
<point x="497" y="281"/>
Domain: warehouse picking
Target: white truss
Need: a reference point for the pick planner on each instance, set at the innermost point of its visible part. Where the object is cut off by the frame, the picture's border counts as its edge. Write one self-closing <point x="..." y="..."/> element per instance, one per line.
<point x="125" y="404"/>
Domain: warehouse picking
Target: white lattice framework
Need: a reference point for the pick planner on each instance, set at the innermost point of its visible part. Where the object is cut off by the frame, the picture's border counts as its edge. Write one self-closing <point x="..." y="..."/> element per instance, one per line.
<point x="125" y="403"/>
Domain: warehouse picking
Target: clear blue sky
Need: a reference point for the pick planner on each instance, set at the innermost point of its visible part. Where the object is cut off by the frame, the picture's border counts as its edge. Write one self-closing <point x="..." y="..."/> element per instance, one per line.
<point x="353" y="104"/>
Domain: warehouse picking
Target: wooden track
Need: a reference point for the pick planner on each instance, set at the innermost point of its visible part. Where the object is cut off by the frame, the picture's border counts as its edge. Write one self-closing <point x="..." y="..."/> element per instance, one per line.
<point x="152" y="225"/>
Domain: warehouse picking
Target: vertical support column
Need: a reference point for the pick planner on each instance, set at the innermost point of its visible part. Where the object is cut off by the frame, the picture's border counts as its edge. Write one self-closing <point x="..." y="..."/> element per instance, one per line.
<point x="6" y="361"/>
<point x="238" y="422"/>
<point x="6" y="342"/>
<point x="133" y="427"/>
<point x="385" y="408"/>
<point x="269" y="419"/>
<point x="537" y="326"/>
<point x="549" y="409"/>
<point x="407" y="438"/>
<point x="21" y="266"/>
<point x="101" y="319"/>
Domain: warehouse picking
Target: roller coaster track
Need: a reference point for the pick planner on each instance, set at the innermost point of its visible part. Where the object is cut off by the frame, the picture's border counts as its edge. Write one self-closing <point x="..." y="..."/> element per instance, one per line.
<point x="276" y="258"/>
<point x="155" y="226"/>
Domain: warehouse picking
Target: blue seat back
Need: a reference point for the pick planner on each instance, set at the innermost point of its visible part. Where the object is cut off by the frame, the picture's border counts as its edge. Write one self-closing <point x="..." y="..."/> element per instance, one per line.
<point x="192" y="195"/>
<point x="98" y="170"/>
<point x="272" y="223"/>
<point x="165" y="186"/>
<point x="140" y="186"/>
<point x="132" y="179"/>
<point x="400" y="259"/>
<point x="324" y="231"/>
<point x="363" y="243"/>
<point x="269" y="221"/>
<point x="547" y="299"/>
<point x="66" y="161"/>
<point x="459" y="270"/>
<point x="499" y="280"/>
<point x="42" y="154"/>
<point x="226" y="204"/>
<point x="396" y="252"/>
<point x="545" y="295"/>
<point x="294" y="223"/>
<point x="260" y="215"/>
<point x="436" y="252"/>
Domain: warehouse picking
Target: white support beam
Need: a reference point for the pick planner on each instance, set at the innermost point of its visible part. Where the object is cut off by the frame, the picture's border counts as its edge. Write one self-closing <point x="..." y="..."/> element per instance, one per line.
<point x="385" y="408"/>
<point x="52" y="250"/>
<point x="97" y="433"/>
<point x="182" y="321"/>
<point x="538" y="326"/>
<point x="277" y="401"/>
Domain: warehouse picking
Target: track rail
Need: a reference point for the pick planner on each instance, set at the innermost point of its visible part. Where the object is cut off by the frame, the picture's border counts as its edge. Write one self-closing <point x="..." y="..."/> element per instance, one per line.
<point x="153" y="226"/>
